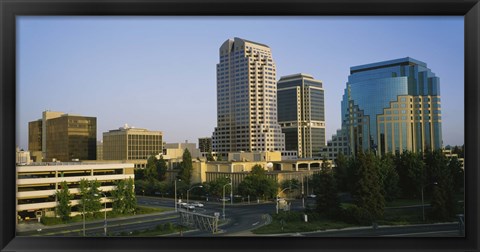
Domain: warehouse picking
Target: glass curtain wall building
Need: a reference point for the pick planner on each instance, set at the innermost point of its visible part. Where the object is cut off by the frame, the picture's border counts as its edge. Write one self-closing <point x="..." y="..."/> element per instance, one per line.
<point x="246" y="99"/>
<point x="301" y="114"/>
<point x="64" y="137"/>
<point x="392" y="106"/>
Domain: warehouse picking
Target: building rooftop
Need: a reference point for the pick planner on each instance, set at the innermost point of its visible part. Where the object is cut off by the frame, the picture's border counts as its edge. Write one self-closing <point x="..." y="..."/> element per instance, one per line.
<point x="296" y="76"/>
<point x="388" y="63"/>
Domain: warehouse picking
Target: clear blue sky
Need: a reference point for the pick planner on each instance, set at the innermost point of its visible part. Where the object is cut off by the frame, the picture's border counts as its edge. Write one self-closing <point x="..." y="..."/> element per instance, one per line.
<point x="159" y="73"/>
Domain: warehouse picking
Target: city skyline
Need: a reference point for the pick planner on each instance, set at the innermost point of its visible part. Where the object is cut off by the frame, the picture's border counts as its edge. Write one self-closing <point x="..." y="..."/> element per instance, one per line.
<point x="160" y="72"/>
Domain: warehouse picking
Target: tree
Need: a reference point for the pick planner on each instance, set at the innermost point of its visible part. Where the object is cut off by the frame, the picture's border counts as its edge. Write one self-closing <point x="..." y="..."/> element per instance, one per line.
<point x="64" y="207"/>
<point x="290" y="183"/>
<point x="210" y="157"/>
<point x="215" y="187"/>
<point x="327" y="202"/>
<point x="368" y="194"/>
<point x="411" y="172"/>
<point x="130" y="200"/>
<point x="90" y="196"/>
<point x="440" y="175"/>
<point x="124" y="201"/>
<point x="258" y="184"/>
<point x="161" y="167"/>
<point x="118" y="197"/>
<point x="458" y="174"/>
<point x="139" y="174"/>
<point x="151" y="173"/>
<point x="389" y="177"/>
<point x="186" y="167"/>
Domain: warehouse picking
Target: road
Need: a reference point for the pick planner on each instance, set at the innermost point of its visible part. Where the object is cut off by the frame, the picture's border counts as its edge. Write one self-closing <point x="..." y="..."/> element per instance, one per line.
<point x="240" y="219"/>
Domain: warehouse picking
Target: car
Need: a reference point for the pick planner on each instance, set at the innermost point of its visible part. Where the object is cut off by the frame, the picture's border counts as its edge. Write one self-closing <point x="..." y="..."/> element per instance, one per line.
<point x="311" y="196"/>
<point x="188" y="206"/>
<point x="197" y="204"/>
<point x="224" y="199"/>
<point x="182" y="204"/>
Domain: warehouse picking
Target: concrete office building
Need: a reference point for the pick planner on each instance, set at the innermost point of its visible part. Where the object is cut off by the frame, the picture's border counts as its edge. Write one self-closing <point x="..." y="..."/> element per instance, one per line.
<point x="246" y="99"/>
<point x="63" y="137"/>
<point x="22" y="157"/>
<point x="38" y="182"/>
<point x="392" y="106"/>
<point x="129" y="143"/>
<point x="205" y="144"/>
<point x="99" y="150"/>
<point x="301" y="114"/>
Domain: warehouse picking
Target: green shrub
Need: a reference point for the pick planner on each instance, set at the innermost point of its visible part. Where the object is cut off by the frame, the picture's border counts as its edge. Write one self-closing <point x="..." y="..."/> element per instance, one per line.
<point x="49" y="221"/>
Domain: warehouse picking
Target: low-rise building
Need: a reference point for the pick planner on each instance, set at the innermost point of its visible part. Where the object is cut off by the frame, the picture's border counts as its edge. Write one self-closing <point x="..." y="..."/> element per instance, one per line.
<point x="37" y="184"/>
<point x="133" y="144"/>
<point x="22" y="157"/>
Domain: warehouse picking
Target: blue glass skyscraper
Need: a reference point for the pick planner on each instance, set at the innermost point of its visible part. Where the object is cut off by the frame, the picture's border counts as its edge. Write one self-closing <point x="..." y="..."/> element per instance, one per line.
<point x="392" y="106"/>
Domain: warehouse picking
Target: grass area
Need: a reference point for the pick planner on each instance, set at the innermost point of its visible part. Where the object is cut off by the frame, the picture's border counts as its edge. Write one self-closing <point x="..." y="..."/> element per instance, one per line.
<point x="51" y="221"/>
<point x="405" y="202"/>
<point x="292" y="222"/>
<point x="161" y="229"/>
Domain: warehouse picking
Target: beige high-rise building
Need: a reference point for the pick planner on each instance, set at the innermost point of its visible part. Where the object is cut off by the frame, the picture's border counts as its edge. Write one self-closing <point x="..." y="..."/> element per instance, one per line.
<point x="246" y="99"/>
<point x="128" y="143"/>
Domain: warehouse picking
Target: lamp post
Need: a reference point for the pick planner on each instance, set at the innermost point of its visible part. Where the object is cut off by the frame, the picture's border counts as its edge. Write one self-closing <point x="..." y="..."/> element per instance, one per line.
<point x="83" y="217"/>
<point x="279" y="194"/>
<point x="191" y="189"/>
<point x="303" y="195"/>
<point x="176" y="210"/>
<point x="223" y="199"/>
<point x="105" y="211"/>
<point x="423" y="204"/>
<point x="231" y="191"/>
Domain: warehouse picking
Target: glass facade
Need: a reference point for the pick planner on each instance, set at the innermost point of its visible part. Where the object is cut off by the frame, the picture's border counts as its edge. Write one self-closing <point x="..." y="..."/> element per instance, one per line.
<point x="301" y="114"/>
<point x="71" y="137"/>
<point x="382" y="101"/>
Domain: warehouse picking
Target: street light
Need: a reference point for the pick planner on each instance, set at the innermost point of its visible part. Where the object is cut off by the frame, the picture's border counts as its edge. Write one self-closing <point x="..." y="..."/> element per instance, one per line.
<point x="423" y="204"/>
<point x="231" y="191"/>
<point x="105" y="220"/>
<point x="223" y="199"/>
<point x="303" y="195"/>
<point x="200" y="186"/>
<point x="176" y="194"/>
<point x="279" y="194"/>
<point x="83" y="217"/>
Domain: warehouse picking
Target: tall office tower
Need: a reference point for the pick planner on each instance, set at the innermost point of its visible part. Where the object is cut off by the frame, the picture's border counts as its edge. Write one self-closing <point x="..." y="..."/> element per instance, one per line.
<point x="301" y="114"/>
<point x="246" y="99"/>
<point x="128" y="143"/>
<point x="205" y="144"/>
<point x="63" y="136"/>
<point x="392" y="106"/>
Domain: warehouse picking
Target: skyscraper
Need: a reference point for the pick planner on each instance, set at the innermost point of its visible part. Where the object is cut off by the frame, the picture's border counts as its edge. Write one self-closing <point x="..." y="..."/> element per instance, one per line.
<point x="63" y="136"/>
<point x="301" y="114"/>
<point x="246" y="99"/>
<point x="392" y="106"/>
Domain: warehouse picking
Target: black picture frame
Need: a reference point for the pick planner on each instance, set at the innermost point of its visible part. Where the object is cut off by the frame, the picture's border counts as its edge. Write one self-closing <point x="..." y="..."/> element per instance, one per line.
<point x="470" y="9"/>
